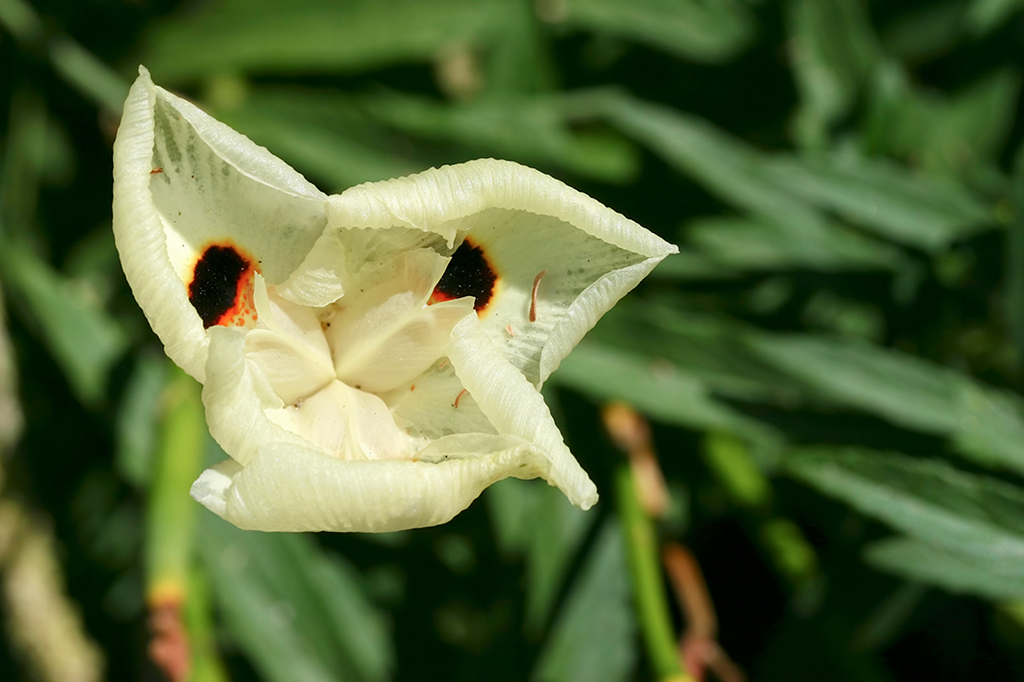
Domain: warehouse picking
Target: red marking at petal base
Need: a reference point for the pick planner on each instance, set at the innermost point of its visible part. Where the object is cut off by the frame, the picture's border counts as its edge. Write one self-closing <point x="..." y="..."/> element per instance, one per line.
<point x="221" y="286"/>
<point x="469" y="273"/>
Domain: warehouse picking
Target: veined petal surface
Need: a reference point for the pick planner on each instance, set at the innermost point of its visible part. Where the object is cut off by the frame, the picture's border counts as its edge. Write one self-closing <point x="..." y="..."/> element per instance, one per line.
<point x="184" y="182"/>
<point x="559" y="258"/>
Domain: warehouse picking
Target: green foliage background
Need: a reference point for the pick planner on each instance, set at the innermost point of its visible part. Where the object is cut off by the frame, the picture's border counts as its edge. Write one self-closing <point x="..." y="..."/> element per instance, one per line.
<point x="833" y="363"/>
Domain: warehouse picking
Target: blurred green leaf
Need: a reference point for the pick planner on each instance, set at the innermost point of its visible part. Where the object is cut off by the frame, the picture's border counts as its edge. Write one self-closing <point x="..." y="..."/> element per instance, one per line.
<point x="83" y="338"/>
<point x="773" y="188"/>
<point x="96" y="81"/>
<point x="312" y="36"/>
<point x="691" y="265"/>
<point x="594" y="636"/>
<point x="889" y="617"/>
<point x="791" y="551"/>
<point x="206" y="663"/>
<point x="19" y="17"/>
<point x="299" y="614"/>
<point x="986" y="15"/>
<point x="725" y="165"/>
<point x="24" y="160"/>
<point x="536" y="521"/>
<point x="1013" y="297"/>
<point x="654" y="386"/>
<point x="926" y="499"/>
<point x="708" y="348"/>
<point x="916" y="210"/>
<point x="518" y="58"/>
<point x="847" y="317"/>
<point x="954" y="135"/>
<point x="557" y="530"/>
<point x="925" y="31"/>
<point x="703" y="31"/>
<point x="136" y="421"/>
<point x="953" y="571"/>
<point x="323" y="133"/>
<point x="530" y="129"/>
<point x="767" y="244"/>
<point x="985" y="424"/>
<point x="833" y="48"/>
<point x="732" y="464"/>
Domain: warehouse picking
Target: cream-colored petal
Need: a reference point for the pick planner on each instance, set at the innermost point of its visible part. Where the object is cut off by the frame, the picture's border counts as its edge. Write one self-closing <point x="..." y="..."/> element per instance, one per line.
<point x="369" y="249"/>
<point x="554" y="281"/>
<point x="204" y="199"/>
<point x="293" y="369"/>
<point x="140" y="239"/>
<point x="184" y="182"/>
<point x="319" y="279"/>
<point x="436" y="404"/>
<point x="430" y="200"/>
<point x="236" y="395"/>
<point x="346" y="423"/>
<point x="516" y="408"/>
<point x="383" y="335"/>
<point x="527" y="223"/>
<point x="288" y="488"/>
<point x="288" y="346"/>
<point x="406" y="352"/>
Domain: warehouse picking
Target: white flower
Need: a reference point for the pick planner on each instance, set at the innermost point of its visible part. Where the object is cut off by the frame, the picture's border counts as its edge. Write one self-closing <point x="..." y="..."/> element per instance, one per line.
<point x="370" y="360"/>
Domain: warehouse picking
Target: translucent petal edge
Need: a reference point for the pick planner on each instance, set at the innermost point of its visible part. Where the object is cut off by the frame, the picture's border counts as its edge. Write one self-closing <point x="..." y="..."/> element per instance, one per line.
<point x="292" y="489"/>
<point x="249" y="158"/>
<point x="232" y="397"/>
<point x="516" y="408"/>
<point x="587" y="309"/>
<point x="141" y="242"/>
<point x="428" y="200"/>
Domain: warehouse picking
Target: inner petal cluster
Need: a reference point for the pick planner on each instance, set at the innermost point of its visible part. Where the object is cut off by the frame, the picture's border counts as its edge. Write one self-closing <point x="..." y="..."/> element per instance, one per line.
<point x="325" y="366"/>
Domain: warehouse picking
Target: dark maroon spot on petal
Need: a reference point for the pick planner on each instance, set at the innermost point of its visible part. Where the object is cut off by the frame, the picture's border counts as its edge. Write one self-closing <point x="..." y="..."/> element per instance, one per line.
<point x="469" y="273"/>
<point x="221" y="287"/>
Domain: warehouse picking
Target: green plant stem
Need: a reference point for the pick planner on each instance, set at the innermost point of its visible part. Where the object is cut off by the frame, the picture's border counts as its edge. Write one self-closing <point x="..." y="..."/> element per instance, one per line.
<point x="171" y="517"/>
<point x="648" y="587"/>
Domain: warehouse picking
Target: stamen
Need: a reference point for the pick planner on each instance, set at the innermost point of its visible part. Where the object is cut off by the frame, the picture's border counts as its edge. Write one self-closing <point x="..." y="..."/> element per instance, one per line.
<point x="509" y="330"/>
<point x="459" y="397"/>
<point x="533" y="295"/>
<point x="156" y="170"/>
